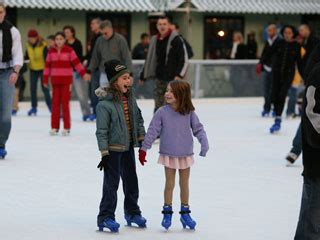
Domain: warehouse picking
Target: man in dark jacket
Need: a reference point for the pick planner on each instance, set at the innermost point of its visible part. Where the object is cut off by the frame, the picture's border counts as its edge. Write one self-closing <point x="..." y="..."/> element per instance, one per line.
<point x="309" y="42"/>
<point x="167" y="60"/>
<point x="309" y="219"/>
<point x="264" y="66"/>
<point x="309" y="60"/>
<point x="140" y="51"/>
<point x="95" y="75"/>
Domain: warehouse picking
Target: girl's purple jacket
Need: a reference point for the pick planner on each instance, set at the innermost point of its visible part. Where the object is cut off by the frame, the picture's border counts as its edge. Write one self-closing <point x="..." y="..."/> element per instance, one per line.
<point x="175" y="131"/>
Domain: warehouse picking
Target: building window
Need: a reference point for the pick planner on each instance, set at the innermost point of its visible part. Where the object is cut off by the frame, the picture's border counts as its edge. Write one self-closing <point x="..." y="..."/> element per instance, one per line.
<point x="153" y="25"/>
<point x="218" y="35"/>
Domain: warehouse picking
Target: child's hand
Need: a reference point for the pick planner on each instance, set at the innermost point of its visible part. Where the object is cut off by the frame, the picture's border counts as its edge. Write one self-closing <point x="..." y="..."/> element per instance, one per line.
<point x="104" y="162"/>
<point x="203" y="153"/>
<point x="142" y="157"/>
<point x="45" y="85"/>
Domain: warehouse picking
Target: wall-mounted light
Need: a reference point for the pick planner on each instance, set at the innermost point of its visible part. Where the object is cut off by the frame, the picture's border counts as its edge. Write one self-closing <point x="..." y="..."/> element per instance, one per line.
<point x="221" y="33"/>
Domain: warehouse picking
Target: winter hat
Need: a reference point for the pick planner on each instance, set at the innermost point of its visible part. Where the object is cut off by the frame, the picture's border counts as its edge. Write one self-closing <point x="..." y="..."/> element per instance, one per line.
<point x="33" y="33"/>
<point x="114" y="69"/>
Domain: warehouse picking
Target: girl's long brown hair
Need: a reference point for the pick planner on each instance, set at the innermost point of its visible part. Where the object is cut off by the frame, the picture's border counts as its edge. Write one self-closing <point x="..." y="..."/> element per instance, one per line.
<point x="182" y="93"/>
<point x="116" y="93"/>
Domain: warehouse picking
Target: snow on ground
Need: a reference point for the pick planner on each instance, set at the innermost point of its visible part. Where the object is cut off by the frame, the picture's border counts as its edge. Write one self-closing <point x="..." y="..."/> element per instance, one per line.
<point x="50" y="187"/>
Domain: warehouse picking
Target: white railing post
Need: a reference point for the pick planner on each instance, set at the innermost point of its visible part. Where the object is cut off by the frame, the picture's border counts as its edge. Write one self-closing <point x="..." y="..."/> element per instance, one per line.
<point x="197" y="81"/>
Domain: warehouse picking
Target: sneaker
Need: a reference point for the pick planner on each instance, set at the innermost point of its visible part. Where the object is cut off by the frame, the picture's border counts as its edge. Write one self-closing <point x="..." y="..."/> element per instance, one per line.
<point x="53" y="132"/>
<point x="292" y="157"/>
<point x="66" y="132"/>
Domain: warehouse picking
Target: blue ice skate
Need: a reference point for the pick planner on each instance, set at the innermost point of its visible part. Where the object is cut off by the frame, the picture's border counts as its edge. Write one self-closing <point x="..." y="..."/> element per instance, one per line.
<point x="86" y="117"/>
<point x="93" y="117"/>
<point x="276" y="126"/>
<point x="14" y="112"/>
<point x="32" y="111"/>
<point x="186" y="219"/>
<point x="137" y="219"/>
<point x="3" y="153"/>
<point x="265" y="113"/>
<point x="167" y="215"/>
<point x="109" y="223"/>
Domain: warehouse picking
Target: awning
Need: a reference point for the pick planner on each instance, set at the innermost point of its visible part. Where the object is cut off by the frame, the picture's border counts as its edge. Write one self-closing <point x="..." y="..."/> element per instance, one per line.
<point x="88" y="5"/>
<point x="258" y="6"/>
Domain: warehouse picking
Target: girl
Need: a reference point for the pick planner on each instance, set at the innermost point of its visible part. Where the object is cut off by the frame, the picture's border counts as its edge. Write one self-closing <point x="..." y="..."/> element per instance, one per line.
<point x="175" y="123"/>
<point x="60" y="62"/>
<point x="119" y="129"/>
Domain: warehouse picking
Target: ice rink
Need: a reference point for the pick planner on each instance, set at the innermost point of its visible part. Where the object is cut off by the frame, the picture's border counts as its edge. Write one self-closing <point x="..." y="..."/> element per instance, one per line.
<point x="50" y="187"/>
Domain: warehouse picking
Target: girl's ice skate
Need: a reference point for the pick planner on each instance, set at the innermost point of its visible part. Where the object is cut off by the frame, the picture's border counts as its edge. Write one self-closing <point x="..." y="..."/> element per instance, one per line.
<point x="53" y="132"/>
<point x="32" y="111"/>
<point x="66" y="132"/>
<point x="167" y="215"/>
<point x="186" y="219"/>
<point x="3" y="153"/>
<point x="137" y="219"/>
<point x="109" y="223"/>
<point x="276" y="126"/>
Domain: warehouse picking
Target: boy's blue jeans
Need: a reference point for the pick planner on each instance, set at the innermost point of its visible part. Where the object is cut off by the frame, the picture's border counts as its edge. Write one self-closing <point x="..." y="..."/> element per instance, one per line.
<point x="6" y="102"/>
<point x="309" y="220"/>
<point x="121" y="164"/>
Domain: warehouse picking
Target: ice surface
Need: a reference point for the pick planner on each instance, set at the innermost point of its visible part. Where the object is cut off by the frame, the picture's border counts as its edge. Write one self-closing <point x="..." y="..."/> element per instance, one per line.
<point x="50" y="187"/>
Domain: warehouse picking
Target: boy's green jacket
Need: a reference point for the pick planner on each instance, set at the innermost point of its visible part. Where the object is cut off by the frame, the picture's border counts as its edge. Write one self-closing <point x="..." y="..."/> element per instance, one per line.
<point x="112" y="130"/>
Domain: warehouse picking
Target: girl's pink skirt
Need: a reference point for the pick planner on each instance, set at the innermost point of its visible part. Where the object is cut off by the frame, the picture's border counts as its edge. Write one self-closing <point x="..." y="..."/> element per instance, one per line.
<point x="176" y="162"/>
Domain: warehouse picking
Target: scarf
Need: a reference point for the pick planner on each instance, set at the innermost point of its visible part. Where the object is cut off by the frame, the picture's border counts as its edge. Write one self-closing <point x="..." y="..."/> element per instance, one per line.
<point x="6" y="26"/>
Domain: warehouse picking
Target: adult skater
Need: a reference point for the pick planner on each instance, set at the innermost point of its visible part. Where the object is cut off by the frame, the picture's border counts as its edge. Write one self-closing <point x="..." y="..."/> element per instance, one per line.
<point x="167" y="60"/>
<point x="287" y="56"/>
<point x="11" y="60"/>
<point x="175" y="123"/>
<point x="311" y="44"/>
<point x="309" y="219"/>
<point x="264" y="67"/>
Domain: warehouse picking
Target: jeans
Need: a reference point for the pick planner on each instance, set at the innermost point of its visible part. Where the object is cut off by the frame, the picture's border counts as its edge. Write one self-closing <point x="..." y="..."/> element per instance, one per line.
<point x="267" y="90"/>
<point x="94" y="85"/>
<point x="34" y="77"/>
<point x="81" y="88"/>
<point x="309" y="220"/>
<point x="297" y="142"/>
<point x="104" y="82"/>
<point x="6" y="102"/>
<point x="120" y="164"/>
<point x="292" y="94"/>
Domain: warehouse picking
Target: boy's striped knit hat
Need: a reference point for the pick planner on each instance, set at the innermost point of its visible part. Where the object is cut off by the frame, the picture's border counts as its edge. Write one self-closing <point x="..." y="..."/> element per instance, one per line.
<point x="114" y="69"/>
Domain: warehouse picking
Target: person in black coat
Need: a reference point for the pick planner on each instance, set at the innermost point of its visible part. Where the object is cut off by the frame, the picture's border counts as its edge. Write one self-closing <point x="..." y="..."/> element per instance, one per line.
<point x="239" y="49"/>
<point x="287" y="57"/>
<point x="309" y="219"/>
<point x="311" y="57"/>
<point x="309" y="42"/>
<point x="252" y="46"/>
<point x="140" y="51"/>
<point x="264" y="67"/>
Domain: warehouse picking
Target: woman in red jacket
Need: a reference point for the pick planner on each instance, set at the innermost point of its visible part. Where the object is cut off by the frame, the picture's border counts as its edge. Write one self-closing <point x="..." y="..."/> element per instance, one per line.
<point x="60" y="62"/>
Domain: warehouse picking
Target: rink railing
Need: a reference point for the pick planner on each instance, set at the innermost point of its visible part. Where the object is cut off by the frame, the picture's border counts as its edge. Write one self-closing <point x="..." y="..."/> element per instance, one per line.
<point x="214" y="78"/>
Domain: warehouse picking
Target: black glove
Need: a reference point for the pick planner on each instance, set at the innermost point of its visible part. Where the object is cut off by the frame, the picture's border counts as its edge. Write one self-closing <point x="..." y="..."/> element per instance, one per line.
<point x="104" y="162"/>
